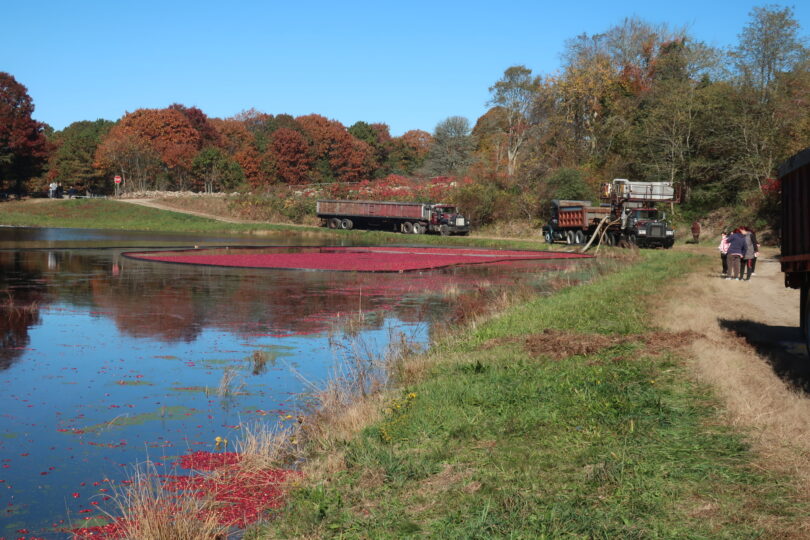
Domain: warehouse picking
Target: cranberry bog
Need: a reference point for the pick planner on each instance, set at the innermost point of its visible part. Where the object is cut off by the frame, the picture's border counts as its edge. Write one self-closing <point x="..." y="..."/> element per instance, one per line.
<point x="349" y="259"/>
<point x="109" y="361"/>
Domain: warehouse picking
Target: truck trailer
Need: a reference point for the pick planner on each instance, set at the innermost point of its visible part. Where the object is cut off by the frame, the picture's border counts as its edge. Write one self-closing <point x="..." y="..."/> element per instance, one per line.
<point x="405" y="217"/>
<point x="626" y="215"/>
<point x="794" y="176"/>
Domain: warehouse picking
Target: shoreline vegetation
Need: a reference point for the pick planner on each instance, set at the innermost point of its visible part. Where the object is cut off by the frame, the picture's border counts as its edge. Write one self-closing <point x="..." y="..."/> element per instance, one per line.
<point x="569" y="415"/>
<point x="566" y="413"/>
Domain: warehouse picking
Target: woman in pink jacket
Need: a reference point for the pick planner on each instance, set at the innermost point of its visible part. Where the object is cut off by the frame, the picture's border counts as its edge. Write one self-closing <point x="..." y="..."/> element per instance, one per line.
<point x="723" y="248"/>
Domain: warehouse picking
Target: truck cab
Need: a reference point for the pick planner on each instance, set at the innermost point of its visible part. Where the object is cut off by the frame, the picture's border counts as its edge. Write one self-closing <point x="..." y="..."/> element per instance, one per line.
<point x="446" y="219"/>
<point x="647" y="227"/>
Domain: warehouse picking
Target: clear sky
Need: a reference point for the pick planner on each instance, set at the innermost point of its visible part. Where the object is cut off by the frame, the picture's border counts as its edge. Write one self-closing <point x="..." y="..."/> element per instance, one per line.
<point x="409" y="64"/>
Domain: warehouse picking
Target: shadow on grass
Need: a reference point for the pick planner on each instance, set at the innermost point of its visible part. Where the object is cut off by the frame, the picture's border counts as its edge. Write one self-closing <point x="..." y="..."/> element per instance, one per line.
<point x="781" y="346"/>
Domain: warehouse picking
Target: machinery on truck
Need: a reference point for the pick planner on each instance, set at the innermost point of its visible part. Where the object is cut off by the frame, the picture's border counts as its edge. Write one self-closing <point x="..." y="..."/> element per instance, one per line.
<point x="405" y="217"/>
<point x="794" y="176"/>
<point x="627" y="214"/>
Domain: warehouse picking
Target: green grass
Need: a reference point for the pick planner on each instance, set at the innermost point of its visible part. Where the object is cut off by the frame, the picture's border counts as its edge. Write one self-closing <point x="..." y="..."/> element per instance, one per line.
<point x="498" y="443"/>
<point x="115" y="215"/>
<point x="108" y="214"/>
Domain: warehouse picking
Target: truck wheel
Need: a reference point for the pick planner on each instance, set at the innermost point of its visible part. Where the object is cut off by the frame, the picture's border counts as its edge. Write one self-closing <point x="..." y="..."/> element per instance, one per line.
<point x="419" y="228"/>
<point x="333" y="223"/>
<point x="569" y="237"/>
<point x="579" y="237"/>
<point x="407" y="227"/>
<point x="444" y="230"/>
<point x="610" y="240"/>
<point x="632" y="239"/>
<point x="549" y="237"/>
<point x="346" y="224"/>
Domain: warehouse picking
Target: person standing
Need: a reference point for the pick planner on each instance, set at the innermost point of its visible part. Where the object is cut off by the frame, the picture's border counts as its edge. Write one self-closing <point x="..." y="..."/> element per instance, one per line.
<point x="52" y="190"/>
<point x="756" y="252"/>
<point x="736" y="250"/>
<point x="748" y="255"/>
<point x="723" y="248"/>
<point x="696" y="231"/>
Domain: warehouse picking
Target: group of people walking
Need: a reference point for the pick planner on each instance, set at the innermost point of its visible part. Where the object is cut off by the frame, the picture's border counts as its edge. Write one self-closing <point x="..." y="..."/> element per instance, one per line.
<point x="738" y="252"/>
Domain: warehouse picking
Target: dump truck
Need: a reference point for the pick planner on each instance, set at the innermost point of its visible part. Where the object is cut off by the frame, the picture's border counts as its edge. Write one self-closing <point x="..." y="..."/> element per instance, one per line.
<point x="627" y="214"/>
<point x="794" y="176"/>
<point x="405" y="217"/>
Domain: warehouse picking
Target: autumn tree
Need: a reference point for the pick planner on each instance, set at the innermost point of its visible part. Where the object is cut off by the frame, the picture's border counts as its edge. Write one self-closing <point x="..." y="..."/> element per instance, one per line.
<point x="407" y="153"/>
<point x="291" y="156"/>
<point x="126" y="153"/>
<point x="233" y="135"/>
<point x="338" y="155"/>
<point x="515" y="93"/>
<point x="452" y="149"/>
<point x="23" y="146"/>
<point x="199" y="121"/>
<point x="169" y="133"/>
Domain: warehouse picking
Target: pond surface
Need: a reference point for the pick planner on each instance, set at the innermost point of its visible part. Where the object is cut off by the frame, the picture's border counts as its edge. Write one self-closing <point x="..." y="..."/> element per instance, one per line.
<point x="107" y="362"/>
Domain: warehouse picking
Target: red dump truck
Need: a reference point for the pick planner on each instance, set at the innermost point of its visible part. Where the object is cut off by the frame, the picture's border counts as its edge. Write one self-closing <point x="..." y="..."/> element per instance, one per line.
<point x="794" y="176"/>
<point x="405" y="217"/>
<point x="630" y="212"/>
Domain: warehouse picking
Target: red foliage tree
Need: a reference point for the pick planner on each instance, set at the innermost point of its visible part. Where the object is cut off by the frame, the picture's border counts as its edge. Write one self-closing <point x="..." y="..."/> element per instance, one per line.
<point x="23" y="146"/>
<point x="169" y="132"/>
<point x="291" y="156"/>
<point x="233" y="135"/>
<point x="199" y="121"/>
<point x="348" y="158"/>
<point x="251" y="162"/>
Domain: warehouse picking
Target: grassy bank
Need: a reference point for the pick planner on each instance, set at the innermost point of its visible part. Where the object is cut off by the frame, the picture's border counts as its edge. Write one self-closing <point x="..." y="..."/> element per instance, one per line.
<point x="565" y="416"/>
<point x="115" y="215"/>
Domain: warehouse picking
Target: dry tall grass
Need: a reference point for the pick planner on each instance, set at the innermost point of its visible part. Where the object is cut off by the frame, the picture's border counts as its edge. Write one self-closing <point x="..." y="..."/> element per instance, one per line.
<point x="776" y="415"/>
<point x="146" y="510"/>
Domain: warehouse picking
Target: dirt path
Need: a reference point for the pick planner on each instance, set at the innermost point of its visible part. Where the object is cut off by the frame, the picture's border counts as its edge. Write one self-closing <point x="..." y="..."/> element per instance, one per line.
<point x="752" y="353"/>
<point x="152" y="203"/>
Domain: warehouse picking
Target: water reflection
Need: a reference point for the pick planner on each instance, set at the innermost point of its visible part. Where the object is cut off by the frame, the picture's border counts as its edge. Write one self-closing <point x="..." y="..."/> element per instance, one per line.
<point x="107" y="360"/>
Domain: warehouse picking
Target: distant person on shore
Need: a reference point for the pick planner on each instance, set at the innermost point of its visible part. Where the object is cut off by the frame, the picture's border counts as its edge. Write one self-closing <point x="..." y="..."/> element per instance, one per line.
<point x="723" y="248"/>
<point x="748" y="255"/>
<point x="756" y="251"/>
<point x="696" y="231"/>
<point x="736" y="250"/>
<point x="52" y="190"/>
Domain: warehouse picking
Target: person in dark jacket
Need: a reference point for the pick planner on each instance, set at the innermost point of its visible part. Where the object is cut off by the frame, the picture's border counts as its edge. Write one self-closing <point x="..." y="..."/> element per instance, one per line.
<point x="736" y="250"/>
<point x="756" y="252"/>
<point x="748" y="255"/>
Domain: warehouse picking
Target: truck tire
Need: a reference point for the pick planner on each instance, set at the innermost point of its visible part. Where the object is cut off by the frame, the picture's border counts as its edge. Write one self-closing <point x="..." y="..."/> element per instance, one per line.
<point x="549" y="237"/>
<point x="569" y="237"/>
<point x="444" y="230"/>
<point x="419" y="228"/>
<point x="346" y="224"/>
<point x="407" y="227"/>
<point x="579" y="237"/>
<point x="333" y="223"/>
<point x="610" y="239"/>
<point x="632" y="239"/>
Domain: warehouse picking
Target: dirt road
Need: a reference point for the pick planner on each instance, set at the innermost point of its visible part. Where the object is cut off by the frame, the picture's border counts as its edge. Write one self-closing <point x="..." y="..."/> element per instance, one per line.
<point x="752" y="353"/>
<point x="152" y="203"/>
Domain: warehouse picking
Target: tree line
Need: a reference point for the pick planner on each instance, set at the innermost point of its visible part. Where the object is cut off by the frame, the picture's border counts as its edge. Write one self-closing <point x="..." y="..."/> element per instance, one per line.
<point x="639" y="101"/>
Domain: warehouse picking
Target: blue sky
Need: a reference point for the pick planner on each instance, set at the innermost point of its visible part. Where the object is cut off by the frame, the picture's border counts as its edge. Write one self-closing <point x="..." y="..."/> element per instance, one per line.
<point x="407" y="64"/>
